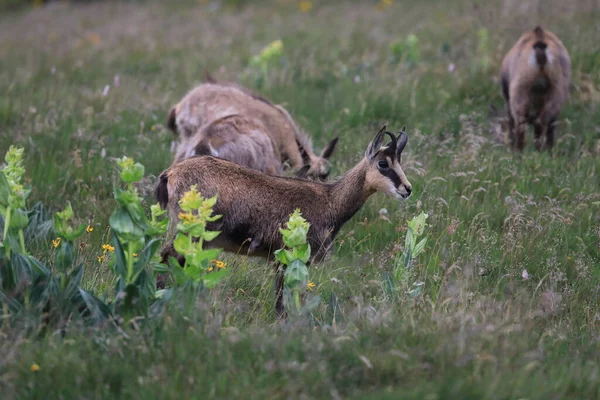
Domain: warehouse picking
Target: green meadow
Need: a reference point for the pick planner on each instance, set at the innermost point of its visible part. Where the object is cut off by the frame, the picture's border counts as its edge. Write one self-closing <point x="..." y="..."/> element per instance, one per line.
<point x="504" y="300"/>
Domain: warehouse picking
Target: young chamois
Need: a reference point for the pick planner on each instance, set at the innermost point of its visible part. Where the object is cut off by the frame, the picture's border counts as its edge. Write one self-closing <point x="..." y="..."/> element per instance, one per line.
<point x="254" y="205"/>
<point x="236" y="138"/>
<point x="535" y="77"/>
<point x="214" y="100"/>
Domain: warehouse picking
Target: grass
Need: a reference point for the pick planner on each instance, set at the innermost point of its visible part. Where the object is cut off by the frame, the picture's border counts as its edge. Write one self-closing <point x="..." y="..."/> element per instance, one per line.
<point x="480" y="330"/>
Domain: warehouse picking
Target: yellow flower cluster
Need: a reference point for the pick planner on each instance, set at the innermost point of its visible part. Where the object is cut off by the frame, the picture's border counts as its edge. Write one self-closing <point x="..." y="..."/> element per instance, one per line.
<point x="89" y="229"/>
<point x="106" y="248"/>
<point x="311" y="285"/>
<point x="56" y="242"/>
<point x="306" y="6"/>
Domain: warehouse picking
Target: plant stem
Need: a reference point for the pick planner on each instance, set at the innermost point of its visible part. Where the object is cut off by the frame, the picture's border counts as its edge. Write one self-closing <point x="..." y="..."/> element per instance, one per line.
<point x="6" y="225"/>
<point x="129" y="261"/>
<point x="22" y="241"/>
<point x="297" y="299"/>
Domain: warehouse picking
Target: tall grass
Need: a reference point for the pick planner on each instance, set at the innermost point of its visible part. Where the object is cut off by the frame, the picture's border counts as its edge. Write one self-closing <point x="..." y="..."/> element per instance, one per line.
<point x="509" y="305"/>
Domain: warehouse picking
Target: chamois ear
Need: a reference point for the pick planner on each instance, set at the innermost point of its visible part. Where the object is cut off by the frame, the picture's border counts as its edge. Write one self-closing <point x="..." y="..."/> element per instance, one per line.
<point x="208" y="77"/>
<point x="303" y="152"/>
<point x="328" y="150"/>
<point x="303" y="172"/>
<point x="171" y="120"/>
<point x="375" y="145"/>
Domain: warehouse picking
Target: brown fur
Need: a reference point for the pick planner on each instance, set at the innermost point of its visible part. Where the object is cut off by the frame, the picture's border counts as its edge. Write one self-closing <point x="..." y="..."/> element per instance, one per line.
<point x="211" y="101"/>
<point x="235" y="138"/>
<point x="254" y="206"/>
<point x="535" y="77"/>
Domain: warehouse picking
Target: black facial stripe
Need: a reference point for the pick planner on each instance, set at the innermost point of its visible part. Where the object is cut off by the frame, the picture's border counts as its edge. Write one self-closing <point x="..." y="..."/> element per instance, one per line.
<point x="391" y="175"/>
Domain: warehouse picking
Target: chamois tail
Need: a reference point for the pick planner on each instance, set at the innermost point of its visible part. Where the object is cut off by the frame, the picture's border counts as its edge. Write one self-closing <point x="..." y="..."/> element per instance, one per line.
<point x="540" y="47"/>
<point x="162" y="191"/>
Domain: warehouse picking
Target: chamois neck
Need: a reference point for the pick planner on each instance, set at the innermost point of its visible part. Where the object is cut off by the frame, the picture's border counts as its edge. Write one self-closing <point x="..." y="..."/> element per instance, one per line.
<point x="348" y="194"/>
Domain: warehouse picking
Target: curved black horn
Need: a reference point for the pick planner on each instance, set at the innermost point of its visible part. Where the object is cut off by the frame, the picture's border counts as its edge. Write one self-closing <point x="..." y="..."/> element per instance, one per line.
<point x="394" y="140"/>
<point x="402" y="140"/>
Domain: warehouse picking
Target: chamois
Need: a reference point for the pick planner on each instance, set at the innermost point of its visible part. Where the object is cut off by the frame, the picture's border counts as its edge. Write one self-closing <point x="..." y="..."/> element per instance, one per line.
<point x="535" y="77"/>
<point x="213" y="100"/>
<point x="235" y="138"/>
<point x="254" y="205"/>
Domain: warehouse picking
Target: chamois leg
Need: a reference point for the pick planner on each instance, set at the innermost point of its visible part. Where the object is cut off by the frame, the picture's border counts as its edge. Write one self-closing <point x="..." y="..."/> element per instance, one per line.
<point x="550" y="135"/>
<point x="279" y="280"/>
<point x="511" y="129"/>
<point x="538" y="130"/>
<point x="519" y="136"/>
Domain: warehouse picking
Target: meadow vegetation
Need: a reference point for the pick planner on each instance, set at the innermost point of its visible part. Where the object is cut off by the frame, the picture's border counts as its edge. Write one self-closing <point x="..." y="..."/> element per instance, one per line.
<point x="501" y="301"/>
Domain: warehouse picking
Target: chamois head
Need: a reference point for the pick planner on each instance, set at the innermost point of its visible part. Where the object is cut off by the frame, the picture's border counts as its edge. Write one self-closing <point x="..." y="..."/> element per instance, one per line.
<point x="317" y="167"/>
<point x="384" y="173"/>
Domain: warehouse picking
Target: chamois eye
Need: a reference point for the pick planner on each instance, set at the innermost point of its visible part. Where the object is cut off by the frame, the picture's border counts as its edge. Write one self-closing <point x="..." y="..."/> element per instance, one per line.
<point x="383" y="164"/>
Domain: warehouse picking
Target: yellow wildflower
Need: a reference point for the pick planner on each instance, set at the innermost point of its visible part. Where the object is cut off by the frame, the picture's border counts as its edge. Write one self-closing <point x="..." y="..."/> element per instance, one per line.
<point x="56" y="242"/>
<point x="89" y="229"/>
<point x="209" y="269"/>
<point x="135" y="254"/>
<point x="35" y="367"/>
<point x="101" y="258"/>
<point x="219" y="264"/>
<point x="310" y="285"/>
<point x="187" y="217"/>
<point x="191" y="200"/>
<point x="93" y="38"/>
<point x="106" y="248"/>
<point x="306" y="6"/>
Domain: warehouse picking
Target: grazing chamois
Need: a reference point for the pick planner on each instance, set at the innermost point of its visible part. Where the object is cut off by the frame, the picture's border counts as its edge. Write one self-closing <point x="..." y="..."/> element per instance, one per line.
<point x="235" y="138"/>
<point x="213" y="100"/>
<point x="535" y="77"/>
<point x="254" y="205"/>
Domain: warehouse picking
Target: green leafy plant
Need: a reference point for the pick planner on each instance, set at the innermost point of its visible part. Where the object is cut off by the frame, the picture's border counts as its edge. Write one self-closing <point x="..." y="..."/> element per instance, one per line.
<point x="200" y="265"/>
<point x="270" y="55"/>
<point x="406" y="50"/>
<point x="403" y="267"/>
<point x="294" y="257"/>
<point x="135" y="240"/>
<point x="26" y="284"/>
<point x="13" y="197"/>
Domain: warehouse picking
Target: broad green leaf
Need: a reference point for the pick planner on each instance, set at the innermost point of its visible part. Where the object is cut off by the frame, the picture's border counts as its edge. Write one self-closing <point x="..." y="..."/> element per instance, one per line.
<point x="419" y="247"/>
<point x="418" y="224"/>
<point x="120" y="261"/>
<point x="283" y="256"/>
<point x="182" y="243"/>
<point x="72" y="234"/>
<point x="210" y="235"/>
<point x="19" y="219"/>
<point x="212" y="279"/>
<point x="296" y="275"/>
<point x="120" y="221"/>
<point x="302" y="253"/>
<point x="96" y="307"/>
<point x="408" y="242"/>
<point x="310" y="303"/>
<point x="63" y="256"/>
<point x="132" y="173"/>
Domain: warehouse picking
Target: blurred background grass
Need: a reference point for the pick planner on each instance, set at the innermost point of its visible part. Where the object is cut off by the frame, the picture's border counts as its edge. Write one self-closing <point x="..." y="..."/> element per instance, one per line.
<point x="83" y="82"/>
